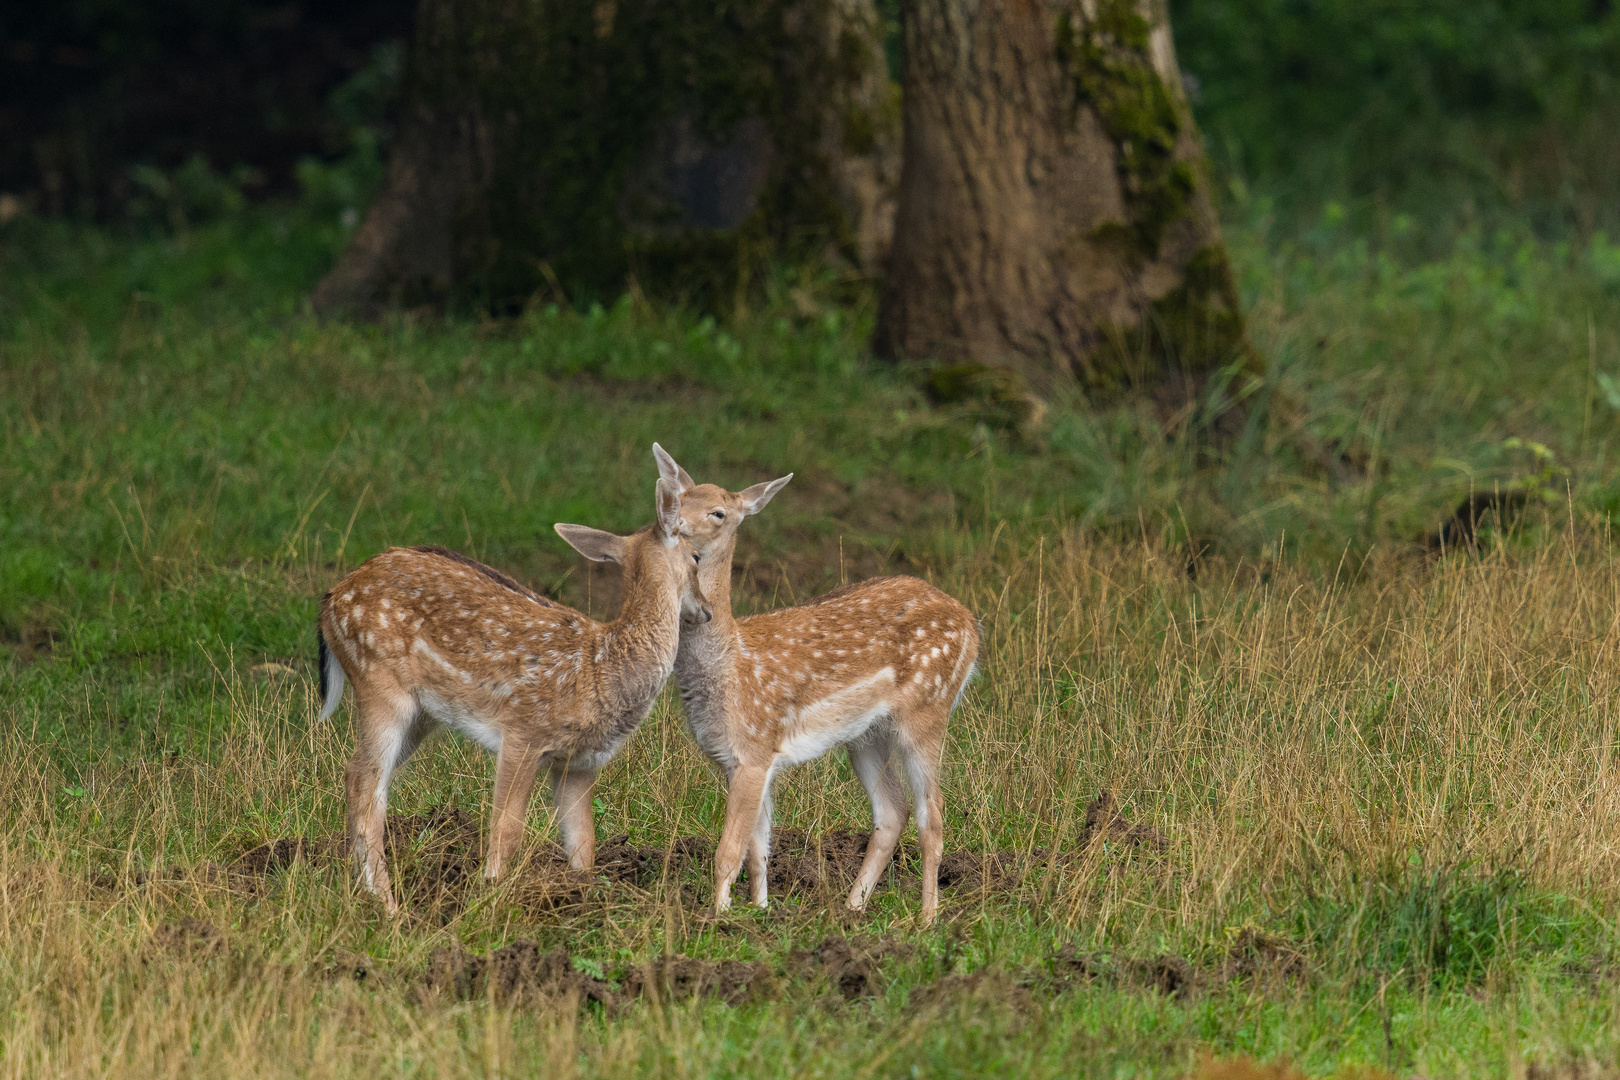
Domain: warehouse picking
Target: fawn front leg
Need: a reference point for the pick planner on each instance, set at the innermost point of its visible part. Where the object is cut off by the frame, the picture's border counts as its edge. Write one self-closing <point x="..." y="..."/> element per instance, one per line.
<point x="515" y="769"/>
<point x="571" y="788"/>
<point x="759" y="851"/>
<point x="742" y="813"/>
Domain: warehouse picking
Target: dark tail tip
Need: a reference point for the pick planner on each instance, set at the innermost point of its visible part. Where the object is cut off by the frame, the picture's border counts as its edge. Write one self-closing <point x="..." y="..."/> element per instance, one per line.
<point x="320" y="660"/>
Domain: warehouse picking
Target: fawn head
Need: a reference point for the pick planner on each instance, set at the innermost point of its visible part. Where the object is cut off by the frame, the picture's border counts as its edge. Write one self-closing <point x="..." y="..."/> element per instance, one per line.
<point x="709" y="513"/>
<point x="659" y="548"/>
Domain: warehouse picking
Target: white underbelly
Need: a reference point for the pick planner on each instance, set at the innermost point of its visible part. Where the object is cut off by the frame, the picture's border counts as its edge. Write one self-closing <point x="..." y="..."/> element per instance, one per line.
<point x="806" y="743"/>
<point x="477" y="727"/>
<point x="839" y="718"/>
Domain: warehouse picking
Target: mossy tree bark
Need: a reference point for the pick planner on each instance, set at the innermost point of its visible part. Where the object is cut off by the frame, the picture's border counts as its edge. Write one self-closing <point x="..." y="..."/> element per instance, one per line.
<point x="679" y="145"/>
<point x="1054" y="216"/>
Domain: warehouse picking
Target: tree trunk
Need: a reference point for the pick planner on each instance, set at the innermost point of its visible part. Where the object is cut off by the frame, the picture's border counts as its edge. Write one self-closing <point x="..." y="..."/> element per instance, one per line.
<point x="1054" y="215"/>
<point x="553" y="145"/>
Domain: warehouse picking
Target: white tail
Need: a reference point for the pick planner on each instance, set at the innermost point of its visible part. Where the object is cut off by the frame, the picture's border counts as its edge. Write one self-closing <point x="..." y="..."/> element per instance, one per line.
<point x="431" y="638"/>
<point x="332" y="679"/>
<point x="876" y="667"/>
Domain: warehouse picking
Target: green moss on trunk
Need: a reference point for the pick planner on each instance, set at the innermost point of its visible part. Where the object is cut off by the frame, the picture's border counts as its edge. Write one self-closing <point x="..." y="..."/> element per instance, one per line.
<point x="1113" y="74"/>
<point x="1199" y="325"/>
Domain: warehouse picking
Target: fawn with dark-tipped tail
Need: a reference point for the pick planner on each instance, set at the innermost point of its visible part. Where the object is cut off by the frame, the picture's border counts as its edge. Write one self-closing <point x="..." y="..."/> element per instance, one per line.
<point x="875" y="667"/>
<point x="428" y="638"/>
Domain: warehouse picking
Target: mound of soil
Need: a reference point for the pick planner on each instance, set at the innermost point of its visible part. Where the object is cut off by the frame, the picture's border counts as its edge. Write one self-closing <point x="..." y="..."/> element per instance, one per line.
<point x="1263" y="958"/>
<point x="1105" y="822"/>
<point x="277" y="855"/>
<point x="991" y="870"/>
<point x="1254" y="955"/>
<point x="518" y="973"/>
<point x="1069" y="965"/>
<point x="620" y="861"/>
<point x="805" y="864"/>
<point x="850" y="967"/>
<point x="1169" y="974"/>
<point x="682" y="977"/>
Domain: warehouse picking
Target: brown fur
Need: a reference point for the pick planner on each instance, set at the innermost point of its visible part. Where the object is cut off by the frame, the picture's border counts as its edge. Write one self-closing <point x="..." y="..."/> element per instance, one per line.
<point x="875" y="666"/>
<point x="428" y="638"/>
<point x="488" y="571"/>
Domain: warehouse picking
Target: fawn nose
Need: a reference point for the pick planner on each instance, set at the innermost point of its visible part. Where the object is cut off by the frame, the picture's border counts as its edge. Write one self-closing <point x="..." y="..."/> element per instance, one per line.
<point x="705" y="612"/>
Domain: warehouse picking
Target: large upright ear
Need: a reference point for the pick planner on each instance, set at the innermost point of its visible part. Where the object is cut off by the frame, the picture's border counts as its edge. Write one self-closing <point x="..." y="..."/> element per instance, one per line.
<point x="594" y="544"/>
<point x="669" y="509"/>
<point x="671" y="471"/>
<point x="755" y="498"/>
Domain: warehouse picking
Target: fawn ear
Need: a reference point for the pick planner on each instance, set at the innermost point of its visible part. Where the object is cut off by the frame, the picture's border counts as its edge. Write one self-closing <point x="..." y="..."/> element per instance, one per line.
<point x="669" y="509"/>
<point x="755" y="498"/>
<point x="594" y="544"/>
<point x="669" y="470"/>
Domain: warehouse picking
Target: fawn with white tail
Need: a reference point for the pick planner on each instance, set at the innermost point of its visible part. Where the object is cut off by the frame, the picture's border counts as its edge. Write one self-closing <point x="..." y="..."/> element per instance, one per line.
<point x="876" y="667"/>
<point x="431" y="638"/>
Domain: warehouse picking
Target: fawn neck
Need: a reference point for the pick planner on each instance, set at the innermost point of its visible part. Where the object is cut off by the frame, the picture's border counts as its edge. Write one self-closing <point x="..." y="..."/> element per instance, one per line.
<point x="706" y="651"/>
<point x="714" y="578"/>
<point x="637" y="649"/>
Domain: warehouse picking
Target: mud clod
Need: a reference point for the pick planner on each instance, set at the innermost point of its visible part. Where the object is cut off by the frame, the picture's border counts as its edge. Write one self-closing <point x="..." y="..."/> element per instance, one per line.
<point x="827" y="863"/>
<point x="1169" y="974"/>
<point x="515" y="974"/>
<point x="850" y="967"/>
<point x="1105" y="822"/>
<point x="1263" y="957"/>
<point x="554" y="887"/>
<point x="683" y="977"/>
<point x="982" y="871"/>
<point x="618" y="860"/>
<point x="276" y="855"/>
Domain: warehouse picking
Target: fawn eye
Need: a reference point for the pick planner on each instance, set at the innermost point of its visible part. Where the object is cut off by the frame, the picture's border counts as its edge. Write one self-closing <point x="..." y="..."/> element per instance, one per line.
<point x="695" y="559"/>
<point x="718" y="515"/>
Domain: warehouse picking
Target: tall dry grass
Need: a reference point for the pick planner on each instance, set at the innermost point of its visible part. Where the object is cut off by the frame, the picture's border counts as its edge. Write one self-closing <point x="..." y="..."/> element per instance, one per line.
<point x="1319" y="748"/>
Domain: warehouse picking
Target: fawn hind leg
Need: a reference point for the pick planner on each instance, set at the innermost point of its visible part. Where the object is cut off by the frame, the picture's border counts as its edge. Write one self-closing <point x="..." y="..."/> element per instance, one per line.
<point x="921" y="752"/>
<point x="870" y="757"/>
<point x="388" y="728"/>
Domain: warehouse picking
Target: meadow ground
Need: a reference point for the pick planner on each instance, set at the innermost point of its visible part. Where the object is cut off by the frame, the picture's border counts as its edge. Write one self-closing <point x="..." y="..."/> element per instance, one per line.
<point x="1249" y="772"/>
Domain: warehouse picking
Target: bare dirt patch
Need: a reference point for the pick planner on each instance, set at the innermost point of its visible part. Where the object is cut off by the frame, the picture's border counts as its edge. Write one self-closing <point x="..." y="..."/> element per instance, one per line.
<point x="822" y="864"/>
<point x="1169" y="974"/>
<point x="851" y="967"/>
<point x="519" y="973"/>
<point x="436" y="857"/>
<point x="620" y="861"/>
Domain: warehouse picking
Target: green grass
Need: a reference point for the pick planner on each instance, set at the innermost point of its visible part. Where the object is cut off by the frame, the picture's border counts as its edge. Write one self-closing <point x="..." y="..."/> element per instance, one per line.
<point x="1395" y="768"/>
